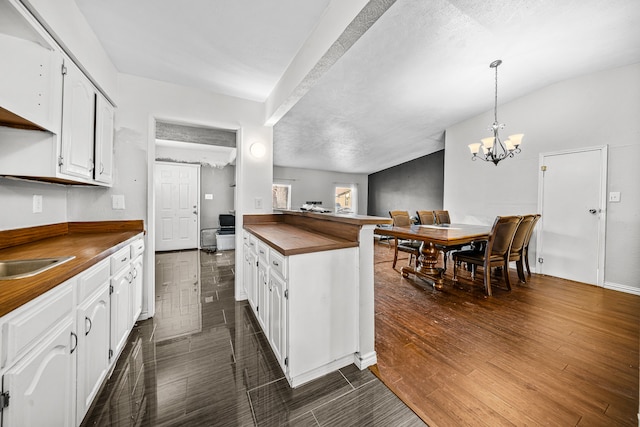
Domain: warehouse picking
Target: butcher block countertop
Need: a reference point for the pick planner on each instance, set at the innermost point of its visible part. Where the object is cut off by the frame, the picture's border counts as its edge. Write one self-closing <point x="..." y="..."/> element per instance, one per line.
<point x="89" y="242"/>
<point x="294" y="233"/>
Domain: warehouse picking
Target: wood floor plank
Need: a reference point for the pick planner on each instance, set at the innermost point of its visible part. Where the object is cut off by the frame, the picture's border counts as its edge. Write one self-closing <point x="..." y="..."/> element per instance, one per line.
<point x="551" y="351"/>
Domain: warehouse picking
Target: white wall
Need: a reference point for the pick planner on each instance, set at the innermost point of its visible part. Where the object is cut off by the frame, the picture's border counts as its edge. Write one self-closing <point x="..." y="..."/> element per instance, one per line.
<point x="315" y="185"/>
<point x="588" y="111"/>
<point x="16" y="204"/>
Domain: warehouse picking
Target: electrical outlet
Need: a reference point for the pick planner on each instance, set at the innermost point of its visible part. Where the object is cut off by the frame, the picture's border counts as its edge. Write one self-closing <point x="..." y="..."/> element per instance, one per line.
<point x="37" y="203"/>
<point x="208" y="196"/>
<point x="258" y="202"/>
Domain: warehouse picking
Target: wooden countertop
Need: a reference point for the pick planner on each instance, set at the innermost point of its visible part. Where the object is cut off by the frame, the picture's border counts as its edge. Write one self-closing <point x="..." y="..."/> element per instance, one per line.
<point x="292" y="240"/>
<point x="296" y="232"/>
<point x="89" y="242"/>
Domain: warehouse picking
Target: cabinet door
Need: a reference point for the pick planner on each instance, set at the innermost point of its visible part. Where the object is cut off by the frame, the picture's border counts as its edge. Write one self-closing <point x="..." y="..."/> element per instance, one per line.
<point x="278" y="317"/>
<point x="136" y="289"/>
<point x="93" y="348"/>
<point x="250" y="279"/>
<point x="120" y="310"/>
<point x="78" y="111"/>
<point x="104" y="141"/>
<point x="41" y="385"/>
<point x="263" y="297"/>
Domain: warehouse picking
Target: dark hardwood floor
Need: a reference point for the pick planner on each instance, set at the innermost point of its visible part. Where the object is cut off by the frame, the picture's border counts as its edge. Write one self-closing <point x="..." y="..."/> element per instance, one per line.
<point x="550" y="352"/>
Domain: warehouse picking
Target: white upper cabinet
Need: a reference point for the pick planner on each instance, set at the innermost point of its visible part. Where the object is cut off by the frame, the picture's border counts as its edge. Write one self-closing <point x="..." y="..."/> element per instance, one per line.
<point x="78" y="123"/>
<point x="104" y="140"/>
<point x="30" y="85"/>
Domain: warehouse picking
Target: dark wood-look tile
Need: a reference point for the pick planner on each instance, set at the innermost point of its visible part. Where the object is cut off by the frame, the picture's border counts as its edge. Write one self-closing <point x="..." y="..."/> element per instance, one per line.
<point x="373" y="404"/>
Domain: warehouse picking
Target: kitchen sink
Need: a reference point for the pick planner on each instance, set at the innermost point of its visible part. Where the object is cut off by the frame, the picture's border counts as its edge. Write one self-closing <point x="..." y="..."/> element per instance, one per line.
<point x="19" y="268"/>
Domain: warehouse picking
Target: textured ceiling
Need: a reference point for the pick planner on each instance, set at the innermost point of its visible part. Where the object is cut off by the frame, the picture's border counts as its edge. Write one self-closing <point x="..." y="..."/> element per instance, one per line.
<point x="420" y="68"/>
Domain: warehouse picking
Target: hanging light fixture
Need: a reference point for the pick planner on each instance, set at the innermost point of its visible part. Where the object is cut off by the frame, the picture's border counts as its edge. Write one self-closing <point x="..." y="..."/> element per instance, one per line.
<point x="493" y="148"/>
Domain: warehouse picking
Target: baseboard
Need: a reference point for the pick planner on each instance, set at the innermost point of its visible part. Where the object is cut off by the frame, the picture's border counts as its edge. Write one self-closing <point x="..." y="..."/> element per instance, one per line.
<point x="622" y="288"/>
<point x="366" y="360"/>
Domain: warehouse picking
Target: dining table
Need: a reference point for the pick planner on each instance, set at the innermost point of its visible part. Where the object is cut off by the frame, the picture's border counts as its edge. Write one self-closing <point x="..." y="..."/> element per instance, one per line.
<point x="435" y="238"/>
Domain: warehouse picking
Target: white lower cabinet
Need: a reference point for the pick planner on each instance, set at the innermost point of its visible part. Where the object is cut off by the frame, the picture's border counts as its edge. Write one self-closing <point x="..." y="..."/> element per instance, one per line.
<point x="278" y="317"/>
<point x="57" y="350"/>
<point x="92" y="325"/>
<point x="250" y="271"/>
<point x="307" y="306"/>
<point x="39" y="361"/>
<point x="121" y="280"/>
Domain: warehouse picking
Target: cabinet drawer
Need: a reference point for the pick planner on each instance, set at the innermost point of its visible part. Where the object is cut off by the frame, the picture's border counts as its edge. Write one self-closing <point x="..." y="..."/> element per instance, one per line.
<point x="90" y="280"/>
<point x="245" y="237"/>
<point x="263" y="251"/>
<point x="137" y="248"/>
<point x="253" y="243"/>
<point x="278" y="262"/>
<point x="120" y="260"/>
<point x="28" y="323"/>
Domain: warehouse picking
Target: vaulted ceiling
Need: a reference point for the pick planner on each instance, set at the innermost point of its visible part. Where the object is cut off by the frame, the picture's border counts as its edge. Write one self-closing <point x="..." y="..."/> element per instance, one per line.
<point x="420" y="67"/>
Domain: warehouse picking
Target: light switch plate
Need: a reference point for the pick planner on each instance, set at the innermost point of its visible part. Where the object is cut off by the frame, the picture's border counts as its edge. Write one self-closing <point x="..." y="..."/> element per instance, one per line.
<point x="614" y="196"/>
<point x="208" y="196"/>
<point x="117" y="201"/>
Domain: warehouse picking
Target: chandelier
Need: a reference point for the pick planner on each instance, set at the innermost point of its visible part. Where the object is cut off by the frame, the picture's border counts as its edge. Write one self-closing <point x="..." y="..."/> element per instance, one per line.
<point x="493" y="148"/>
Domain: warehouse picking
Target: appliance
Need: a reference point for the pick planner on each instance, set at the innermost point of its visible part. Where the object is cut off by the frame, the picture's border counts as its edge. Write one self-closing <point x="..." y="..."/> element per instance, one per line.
<point x="493" y="149"/>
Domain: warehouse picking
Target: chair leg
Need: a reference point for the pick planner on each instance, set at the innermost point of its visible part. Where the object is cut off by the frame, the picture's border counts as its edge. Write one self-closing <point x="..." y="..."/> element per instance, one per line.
<point x="395" y="254"/>
<point x="525" y="255"/>
<point x="487" y="279"/>
<point x="507" y="281"/>
<point x="520" y="269"/>
<point x="455" y="270"/>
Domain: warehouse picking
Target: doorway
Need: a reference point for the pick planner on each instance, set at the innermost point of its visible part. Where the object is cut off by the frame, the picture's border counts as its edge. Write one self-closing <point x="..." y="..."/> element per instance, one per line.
<point x="571" y="199"/>
<point x="177" y="188"/>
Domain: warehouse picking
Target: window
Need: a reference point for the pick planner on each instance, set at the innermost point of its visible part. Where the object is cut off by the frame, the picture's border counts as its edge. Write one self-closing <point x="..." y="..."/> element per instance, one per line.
<point x="346" y="199"/>
<point x="281" y="196"/>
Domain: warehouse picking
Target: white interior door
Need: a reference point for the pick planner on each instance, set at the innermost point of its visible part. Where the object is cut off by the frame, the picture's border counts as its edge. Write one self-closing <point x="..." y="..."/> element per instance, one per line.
<point x="177" y="206"/>
<point x="572" y="204"/>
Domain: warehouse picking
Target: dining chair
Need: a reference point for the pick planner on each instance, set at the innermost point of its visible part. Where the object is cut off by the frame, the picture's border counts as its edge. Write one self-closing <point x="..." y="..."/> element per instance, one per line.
<point x="517" y="246"/>
<point x="426" y="217"/>
<point x="412" y="247"/>
<point x="495" y="254"/>
<point x="525" y="251"/>
<point x="442" y="217"/>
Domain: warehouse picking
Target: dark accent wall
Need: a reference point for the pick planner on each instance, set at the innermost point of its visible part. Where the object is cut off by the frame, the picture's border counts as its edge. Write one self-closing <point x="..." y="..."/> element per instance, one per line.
<point x="415" y="185"/>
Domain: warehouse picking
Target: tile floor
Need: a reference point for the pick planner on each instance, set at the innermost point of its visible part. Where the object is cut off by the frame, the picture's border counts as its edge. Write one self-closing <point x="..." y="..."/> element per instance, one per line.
<point x="203" y="361"/>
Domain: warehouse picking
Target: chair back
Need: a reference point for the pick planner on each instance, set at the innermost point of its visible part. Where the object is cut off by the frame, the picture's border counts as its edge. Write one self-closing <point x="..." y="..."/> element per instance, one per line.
<point x="521" y="233"/>
<point x="442" y="217"/>
<point x="527" y="238"/>
<point x="501" y="236"/>
<point x="426" y="217"/>
<point x="400" y="218"/>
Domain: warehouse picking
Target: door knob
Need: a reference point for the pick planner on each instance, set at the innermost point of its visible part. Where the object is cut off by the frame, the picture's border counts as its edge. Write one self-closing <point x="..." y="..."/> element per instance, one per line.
<point x="593" y="211"/>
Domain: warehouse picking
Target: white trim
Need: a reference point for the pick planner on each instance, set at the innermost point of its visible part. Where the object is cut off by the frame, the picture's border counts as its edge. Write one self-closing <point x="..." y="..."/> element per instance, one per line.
<point x="602" y="220"/>
<point x="622" y="288"/>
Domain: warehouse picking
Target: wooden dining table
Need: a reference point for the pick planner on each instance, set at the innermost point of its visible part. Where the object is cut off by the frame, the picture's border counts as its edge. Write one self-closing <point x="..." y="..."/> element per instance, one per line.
<point x="434" y="237"/>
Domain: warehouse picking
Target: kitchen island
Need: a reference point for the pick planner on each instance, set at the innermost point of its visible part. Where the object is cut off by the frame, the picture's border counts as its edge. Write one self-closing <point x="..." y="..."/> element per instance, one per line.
<point x="309" y="281"/>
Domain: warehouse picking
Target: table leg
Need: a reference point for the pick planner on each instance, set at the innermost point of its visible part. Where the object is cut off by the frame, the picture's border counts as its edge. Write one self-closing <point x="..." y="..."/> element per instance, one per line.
<point x="426" y="268"/>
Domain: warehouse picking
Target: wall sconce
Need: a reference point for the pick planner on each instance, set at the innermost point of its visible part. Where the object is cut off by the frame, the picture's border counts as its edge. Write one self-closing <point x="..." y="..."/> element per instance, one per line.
<point x="258" y="150"/>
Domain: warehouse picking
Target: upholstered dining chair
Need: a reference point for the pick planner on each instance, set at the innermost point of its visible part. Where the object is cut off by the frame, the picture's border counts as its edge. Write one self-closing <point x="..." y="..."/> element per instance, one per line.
<point x="412" y="247"/>
<point x="527" y="239"/>
<point x="495" y="254"/>
<point x="442" y="217"/>
<point x="517" y="246"/>
<point x="426" y="217"/>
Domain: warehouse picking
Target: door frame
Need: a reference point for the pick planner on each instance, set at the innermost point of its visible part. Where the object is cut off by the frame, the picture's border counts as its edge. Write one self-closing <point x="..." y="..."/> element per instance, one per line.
<point x="602" y="217"/>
